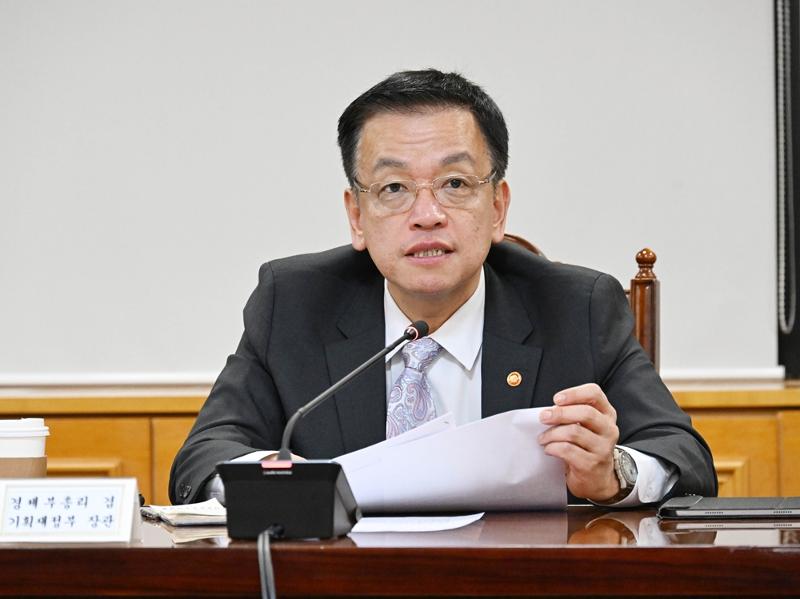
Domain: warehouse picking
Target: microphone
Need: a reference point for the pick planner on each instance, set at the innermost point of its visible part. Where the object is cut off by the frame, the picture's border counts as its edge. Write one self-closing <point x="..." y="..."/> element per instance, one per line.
<point x="296" y="500"/>
<point x="413" y="332"/>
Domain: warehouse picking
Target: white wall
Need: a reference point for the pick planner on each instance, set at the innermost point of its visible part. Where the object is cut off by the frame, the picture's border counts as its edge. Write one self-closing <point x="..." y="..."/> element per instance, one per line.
<point x="153" y="154"/>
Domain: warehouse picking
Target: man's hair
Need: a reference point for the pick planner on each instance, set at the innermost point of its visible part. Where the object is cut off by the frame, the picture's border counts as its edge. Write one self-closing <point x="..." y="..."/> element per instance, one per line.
<point x="408" y="91"/>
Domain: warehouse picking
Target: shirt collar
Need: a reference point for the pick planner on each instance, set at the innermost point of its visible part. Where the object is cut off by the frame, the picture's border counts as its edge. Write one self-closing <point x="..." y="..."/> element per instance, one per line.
<point x="461" y="335"/>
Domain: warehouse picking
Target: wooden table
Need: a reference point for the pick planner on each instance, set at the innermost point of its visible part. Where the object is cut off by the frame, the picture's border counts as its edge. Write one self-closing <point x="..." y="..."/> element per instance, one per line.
<point x="581" y="552"/>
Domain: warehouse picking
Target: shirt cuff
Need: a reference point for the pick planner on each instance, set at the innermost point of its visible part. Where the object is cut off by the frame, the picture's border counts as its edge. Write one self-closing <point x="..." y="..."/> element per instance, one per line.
<point x="654" y="479"/>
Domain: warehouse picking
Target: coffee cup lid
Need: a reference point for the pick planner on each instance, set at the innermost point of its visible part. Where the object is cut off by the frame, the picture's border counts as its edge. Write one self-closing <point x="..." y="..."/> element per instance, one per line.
<point x="24" y="425"/>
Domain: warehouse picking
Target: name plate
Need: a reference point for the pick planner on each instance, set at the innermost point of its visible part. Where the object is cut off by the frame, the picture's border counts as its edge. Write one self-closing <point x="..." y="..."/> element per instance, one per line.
<point x="69" y="510"/>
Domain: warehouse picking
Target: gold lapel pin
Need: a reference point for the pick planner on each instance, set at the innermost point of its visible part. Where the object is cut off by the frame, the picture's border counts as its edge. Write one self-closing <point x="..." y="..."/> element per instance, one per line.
<point x="514" y="379"/>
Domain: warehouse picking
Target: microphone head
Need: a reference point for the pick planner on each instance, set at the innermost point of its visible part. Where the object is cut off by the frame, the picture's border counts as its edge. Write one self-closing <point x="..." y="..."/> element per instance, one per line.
<point x="417" y="329"/>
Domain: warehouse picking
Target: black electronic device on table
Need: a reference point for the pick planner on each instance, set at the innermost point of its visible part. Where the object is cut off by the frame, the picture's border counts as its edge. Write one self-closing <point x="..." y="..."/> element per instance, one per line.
<point x="302" y="500"/>
<point x="695" y="507"/>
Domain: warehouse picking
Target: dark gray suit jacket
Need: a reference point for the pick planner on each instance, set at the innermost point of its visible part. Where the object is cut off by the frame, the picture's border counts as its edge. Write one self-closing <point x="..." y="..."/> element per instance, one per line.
<point x="315" y="317"/>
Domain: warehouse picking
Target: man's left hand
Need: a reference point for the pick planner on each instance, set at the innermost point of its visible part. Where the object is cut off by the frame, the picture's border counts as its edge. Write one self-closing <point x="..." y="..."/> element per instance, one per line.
<point x="583" y="432"/>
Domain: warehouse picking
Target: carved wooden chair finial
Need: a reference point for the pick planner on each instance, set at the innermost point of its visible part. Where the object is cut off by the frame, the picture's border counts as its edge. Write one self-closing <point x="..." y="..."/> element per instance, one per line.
<point x="646" y="259"/>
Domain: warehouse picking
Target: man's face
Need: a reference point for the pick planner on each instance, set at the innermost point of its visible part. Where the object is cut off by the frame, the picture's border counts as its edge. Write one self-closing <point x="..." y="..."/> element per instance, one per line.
<point x="423" y="146"/>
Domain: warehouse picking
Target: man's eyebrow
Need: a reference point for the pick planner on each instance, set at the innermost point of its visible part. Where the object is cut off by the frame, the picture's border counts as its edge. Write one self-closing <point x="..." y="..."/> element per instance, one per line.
<point x="459" y="157"/>
<point x="388" y="163"/>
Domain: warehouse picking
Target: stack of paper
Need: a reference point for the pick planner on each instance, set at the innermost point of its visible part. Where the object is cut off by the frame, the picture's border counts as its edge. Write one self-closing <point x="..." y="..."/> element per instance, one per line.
<point x="190" y="534"/>
<point x="207" y="513"/>
<point x="492" y="464"/>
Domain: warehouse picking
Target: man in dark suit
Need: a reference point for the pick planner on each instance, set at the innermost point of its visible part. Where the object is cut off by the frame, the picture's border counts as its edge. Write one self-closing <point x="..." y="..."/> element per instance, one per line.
<point x="425" y="154"/>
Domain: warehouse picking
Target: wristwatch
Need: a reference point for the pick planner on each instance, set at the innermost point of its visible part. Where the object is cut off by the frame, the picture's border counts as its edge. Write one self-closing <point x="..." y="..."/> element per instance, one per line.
<point x="626" y="471"/>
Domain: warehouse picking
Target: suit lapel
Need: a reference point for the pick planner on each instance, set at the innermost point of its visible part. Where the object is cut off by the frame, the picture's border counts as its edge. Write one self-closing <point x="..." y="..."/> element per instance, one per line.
<point x="361" y="405"/>
<point x="506" y="327"/>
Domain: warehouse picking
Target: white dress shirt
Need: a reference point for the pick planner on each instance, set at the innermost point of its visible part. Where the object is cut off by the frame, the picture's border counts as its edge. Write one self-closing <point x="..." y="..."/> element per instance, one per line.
<point x="454" y="378"/>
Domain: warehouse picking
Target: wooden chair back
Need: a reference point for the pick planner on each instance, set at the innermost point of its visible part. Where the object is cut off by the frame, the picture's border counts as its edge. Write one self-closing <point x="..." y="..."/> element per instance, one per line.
<point x="643" y="296"/>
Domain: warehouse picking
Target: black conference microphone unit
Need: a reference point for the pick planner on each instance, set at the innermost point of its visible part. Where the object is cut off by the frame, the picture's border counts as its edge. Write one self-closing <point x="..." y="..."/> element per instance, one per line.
<point x="297" y="500"/>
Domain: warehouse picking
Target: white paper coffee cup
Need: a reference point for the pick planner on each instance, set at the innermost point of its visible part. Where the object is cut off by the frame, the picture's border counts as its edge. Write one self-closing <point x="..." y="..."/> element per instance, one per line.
<point x="23" y="438"/>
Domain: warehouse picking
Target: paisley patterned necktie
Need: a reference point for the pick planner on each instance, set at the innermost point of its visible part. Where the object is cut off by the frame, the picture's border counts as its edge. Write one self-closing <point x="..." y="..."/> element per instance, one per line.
<point x="410" y="402"/>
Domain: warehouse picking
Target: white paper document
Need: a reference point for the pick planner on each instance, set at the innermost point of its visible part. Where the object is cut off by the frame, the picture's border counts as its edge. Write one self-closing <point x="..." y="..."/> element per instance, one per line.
<point x="207" y="513"/>
<point x="491" y="464"/>
<point x="414" y="523"/>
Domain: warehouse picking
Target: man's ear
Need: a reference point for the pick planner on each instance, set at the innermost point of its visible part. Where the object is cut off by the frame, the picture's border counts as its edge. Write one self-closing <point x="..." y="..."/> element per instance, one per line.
<point x="500" y="203"/>
<point x="354" y="217"/>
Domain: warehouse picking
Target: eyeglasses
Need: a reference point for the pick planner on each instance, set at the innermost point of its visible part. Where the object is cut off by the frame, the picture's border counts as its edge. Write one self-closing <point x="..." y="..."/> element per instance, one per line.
<point x="451" y="191"/>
